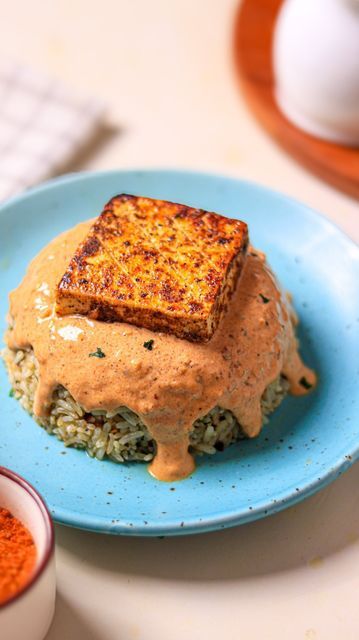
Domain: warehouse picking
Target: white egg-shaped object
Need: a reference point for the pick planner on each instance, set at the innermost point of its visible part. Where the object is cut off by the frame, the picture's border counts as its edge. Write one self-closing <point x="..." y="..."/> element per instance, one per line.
<point x="316" y="67"/>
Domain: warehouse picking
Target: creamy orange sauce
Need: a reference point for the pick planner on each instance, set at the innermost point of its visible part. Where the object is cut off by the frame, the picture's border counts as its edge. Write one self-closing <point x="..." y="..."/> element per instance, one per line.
<point x="177" y="381"/>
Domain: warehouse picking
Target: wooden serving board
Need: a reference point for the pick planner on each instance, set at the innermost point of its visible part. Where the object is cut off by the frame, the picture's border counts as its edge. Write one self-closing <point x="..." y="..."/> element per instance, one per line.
<point x="336" y="164"/>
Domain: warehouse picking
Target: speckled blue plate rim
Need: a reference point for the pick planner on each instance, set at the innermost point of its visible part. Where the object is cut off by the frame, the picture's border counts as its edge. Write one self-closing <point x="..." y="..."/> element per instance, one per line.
<point x="288" y="497"/>
<point x="215" y="523"/>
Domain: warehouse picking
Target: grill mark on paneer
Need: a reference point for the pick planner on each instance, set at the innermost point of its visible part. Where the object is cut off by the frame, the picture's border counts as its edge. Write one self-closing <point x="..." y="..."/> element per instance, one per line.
<point x="160" y="265"/>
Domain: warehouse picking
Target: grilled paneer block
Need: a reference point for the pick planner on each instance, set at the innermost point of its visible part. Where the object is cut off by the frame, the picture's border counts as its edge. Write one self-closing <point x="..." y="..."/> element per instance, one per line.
<point x="155" y="264"/>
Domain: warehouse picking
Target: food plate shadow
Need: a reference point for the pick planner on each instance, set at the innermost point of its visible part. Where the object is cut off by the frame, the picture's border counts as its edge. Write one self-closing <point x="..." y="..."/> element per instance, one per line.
<point x="68" y="623"/>
<point x="308" y="533"/>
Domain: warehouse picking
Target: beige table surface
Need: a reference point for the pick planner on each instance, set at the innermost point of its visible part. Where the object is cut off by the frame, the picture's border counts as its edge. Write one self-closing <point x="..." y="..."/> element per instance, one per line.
<point x="164" y="68"/>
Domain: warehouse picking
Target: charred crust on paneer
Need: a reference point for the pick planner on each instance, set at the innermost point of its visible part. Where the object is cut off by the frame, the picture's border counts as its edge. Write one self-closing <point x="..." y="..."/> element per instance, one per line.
<point x="155" y="264"/>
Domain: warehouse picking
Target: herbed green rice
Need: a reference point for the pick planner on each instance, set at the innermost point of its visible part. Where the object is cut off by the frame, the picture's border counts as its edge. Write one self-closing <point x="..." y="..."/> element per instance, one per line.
<point x="120" y="434"/>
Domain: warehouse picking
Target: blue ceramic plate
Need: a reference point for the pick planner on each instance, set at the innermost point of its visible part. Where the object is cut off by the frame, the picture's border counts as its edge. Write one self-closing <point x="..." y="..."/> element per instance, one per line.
<point x="308" y="442"/>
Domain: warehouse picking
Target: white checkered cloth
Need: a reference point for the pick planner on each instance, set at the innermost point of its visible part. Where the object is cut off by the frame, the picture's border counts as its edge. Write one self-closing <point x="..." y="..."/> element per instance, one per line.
<point x="42" y="126"/>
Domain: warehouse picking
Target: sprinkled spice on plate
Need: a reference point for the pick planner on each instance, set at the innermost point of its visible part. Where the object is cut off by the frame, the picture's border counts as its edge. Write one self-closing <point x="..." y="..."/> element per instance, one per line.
<point x="17" y="555"/>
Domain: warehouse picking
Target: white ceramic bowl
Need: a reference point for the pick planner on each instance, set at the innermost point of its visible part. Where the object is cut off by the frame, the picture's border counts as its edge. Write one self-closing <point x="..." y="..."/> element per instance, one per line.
<point x="316" y="67"/>
<point x="28" y="614"/>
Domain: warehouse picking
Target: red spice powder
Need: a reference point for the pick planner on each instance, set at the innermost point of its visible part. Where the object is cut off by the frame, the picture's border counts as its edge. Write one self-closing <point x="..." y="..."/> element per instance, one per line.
<point x="17" y="555"/>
